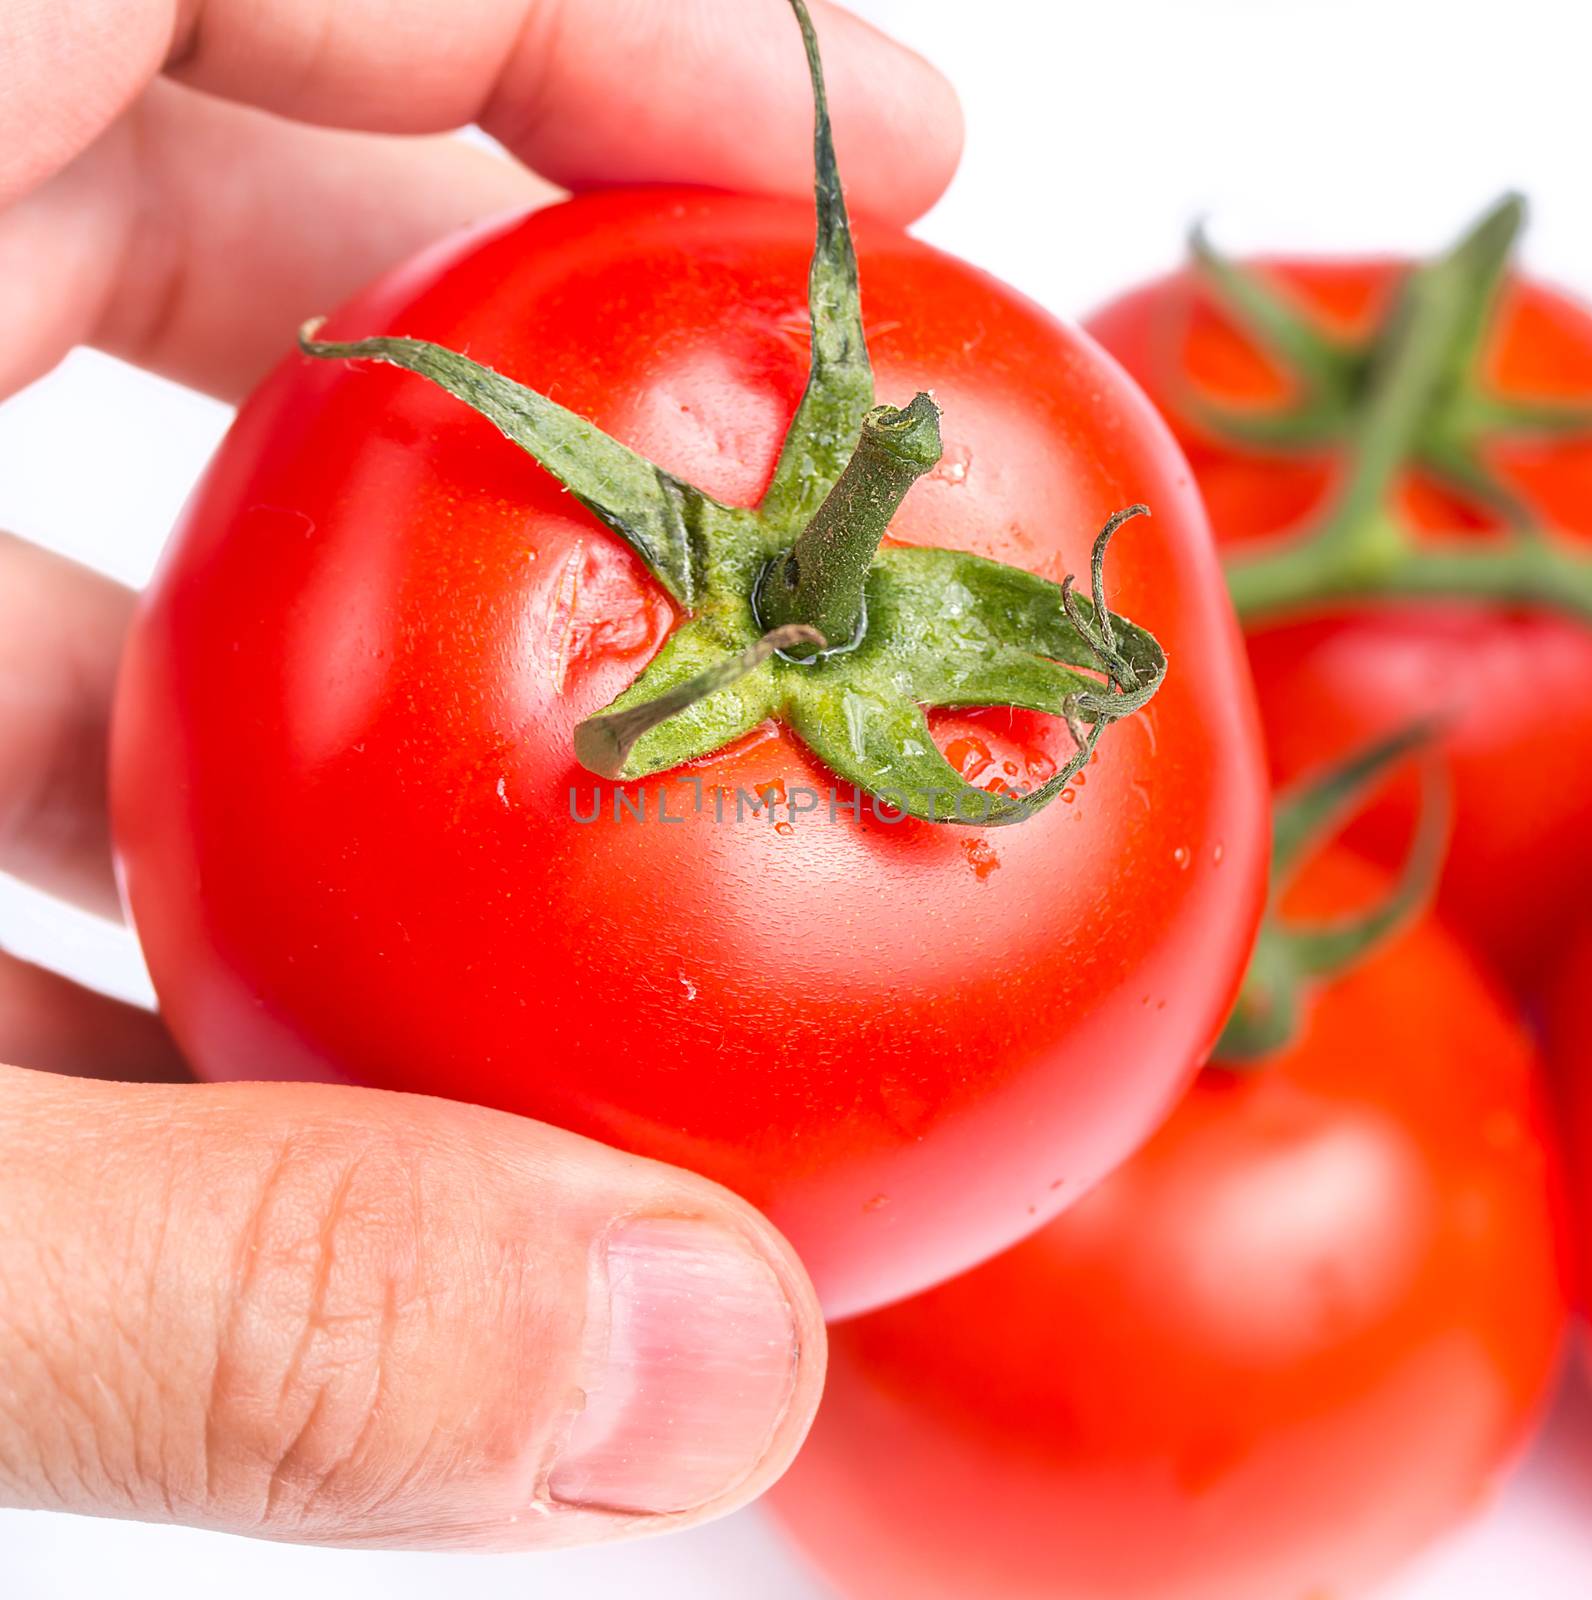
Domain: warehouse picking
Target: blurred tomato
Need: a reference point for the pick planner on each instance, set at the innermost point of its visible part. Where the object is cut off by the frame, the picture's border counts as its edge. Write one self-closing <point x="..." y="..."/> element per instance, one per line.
<point x="1568" y="1015"/>
<point x="1288" y="1343"/>
<point x="1513" y="681"/>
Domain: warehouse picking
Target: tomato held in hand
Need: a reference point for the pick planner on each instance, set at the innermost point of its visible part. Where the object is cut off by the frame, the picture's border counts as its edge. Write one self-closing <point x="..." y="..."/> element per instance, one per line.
<point x="357" y="843"/>
<point x="1398" y="464"/>
<point x="1287" y="1343"/>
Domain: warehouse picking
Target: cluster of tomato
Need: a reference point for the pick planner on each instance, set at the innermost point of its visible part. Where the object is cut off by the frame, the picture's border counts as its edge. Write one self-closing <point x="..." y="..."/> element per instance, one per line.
<point x="1306" y="1323"/>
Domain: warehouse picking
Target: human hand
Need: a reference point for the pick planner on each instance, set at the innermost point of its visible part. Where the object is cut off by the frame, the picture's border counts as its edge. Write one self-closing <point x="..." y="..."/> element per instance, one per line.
<point x="291" y="1310"/>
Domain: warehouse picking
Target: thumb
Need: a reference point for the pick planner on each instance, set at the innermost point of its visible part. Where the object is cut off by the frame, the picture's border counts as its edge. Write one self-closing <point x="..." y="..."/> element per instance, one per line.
<point x="349" y="1317"/>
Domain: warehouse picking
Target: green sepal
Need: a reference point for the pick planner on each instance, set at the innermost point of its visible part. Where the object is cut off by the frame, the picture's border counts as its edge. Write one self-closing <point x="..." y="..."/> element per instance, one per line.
<point x="651" y="510"/>
<point x="1445" y="305"/>
<point x="839" y="389"/>
<point x="1308" y="813"/>
<point x="1472" y="273"/>
<point x="1414" y="394"/>
<point x="1291" y="959"/>
<point x="944" y="629"/>
<point x="1324" y="366"/>
<point x="709" y="690"/>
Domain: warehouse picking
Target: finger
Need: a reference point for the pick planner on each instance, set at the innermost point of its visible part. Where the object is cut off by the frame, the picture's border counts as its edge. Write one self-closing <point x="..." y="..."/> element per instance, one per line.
<point x="346" y="1317"/>
<point x="61" y="631"/>
<point x="50" y="1023"/>
<point x="585" y="91"/>
<point x="195" y="236"/>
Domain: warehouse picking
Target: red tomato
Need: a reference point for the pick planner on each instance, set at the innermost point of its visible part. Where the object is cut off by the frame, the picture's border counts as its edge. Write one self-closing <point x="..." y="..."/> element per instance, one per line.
<point x="1569" y="1036"/>
<point x="1515" y="684"/>
<point x="343" y="772"/>
<point x="1291" y="1340"/>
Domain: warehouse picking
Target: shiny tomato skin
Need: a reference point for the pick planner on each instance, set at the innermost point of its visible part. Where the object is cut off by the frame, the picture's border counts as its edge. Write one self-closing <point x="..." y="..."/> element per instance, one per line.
<point x="343" y="774"/>
<point x="1513" y="685"/>
<point x="1271" y="1356"/>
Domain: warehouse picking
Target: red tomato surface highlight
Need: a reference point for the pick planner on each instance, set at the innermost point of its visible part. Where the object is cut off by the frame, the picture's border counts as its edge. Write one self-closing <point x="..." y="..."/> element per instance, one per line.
<point x="343" y="781"/>
<point x="1290" y="1341"/>
<point x="1512" y="684"/>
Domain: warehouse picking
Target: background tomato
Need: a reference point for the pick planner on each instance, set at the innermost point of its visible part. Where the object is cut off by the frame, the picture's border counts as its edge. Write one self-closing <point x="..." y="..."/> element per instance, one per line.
<point x="1568" y="1015"/>
<point x="1513" y="683"/>
<point x="1292" y="1339"/>
<point x="342" y="767"/>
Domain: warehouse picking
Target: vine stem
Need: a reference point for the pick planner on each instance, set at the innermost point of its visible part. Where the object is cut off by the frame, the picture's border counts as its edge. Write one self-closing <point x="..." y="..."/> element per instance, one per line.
<point x="1383" y="563"/>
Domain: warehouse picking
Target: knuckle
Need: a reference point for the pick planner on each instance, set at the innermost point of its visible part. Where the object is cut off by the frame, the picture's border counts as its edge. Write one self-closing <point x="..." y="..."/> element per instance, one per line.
<point x="328" y="1302"/>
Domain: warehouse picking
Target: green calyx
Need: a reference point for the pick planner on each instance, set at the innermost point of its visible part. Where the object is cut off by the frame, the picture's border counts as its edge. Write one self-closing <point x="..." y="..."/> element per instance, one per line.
<point x="794" y="609"/>
<point x="1412" y="394"/>
<point x="1291" y="959"/>
<point x="822" y="578"/>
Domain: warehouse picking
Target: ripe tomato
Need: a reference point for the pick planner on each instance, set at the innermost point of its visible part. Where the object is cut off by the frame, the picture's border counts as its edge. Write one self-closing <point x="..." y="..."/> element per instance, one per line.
<point x="1294" y="1337"/>
<point x="343" y="775"/>
<point x="1569" y="1040"/>
<point x="1513" y="681"/>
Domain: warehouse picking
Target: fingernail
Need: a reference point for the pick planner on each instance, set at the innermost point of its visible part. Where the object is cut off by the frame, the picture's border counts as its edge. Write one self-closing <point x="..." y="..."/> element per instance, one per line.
<point x="690" y="1356"/>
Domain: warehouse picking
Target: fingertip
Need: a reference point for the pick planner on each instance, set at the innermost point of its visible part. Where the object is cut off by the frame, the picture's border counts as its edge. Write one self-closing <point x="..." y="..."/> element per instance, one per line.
<point x="716" y="92"/>
<point x="698" y="1375"/>
<point x="899" y="126"/>
<point x="810" y="1353"/>
<point x="703" y="1355"/>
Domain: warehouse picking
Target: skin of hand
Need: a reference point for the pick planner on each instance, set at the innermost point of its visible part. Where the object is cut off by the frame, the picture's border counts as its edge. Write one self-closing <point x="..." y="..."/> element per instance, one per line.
<point x="295" y="1311"/>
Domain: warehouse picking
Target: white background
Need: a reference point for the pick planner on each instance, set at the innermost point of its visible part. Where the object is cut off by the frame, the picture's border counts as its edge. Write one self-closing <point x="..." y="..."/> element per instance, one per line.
<point x="1096" y="133"/>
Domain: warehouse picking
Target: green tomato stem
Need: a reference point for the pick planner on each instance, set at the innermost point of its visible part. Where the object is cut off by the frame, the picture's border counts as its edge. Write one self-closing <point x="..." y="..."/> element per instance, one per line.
<point x="1382" y="563"/>
<point x="819" y="580"/>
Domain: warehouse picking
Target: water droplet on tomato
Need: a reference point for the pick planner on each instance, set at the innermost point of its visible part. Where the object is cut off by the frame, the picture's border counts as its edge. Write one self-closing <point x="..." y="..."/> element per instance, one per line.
<point x="1218" y="850"/>
<point x="877" y="1203"/>
<point x="969" y="755"/>
<point x="981" y="857"/>
<point x="954" y="465"/>
<point x="1068" y="796"/>
<point x="1182" y="856"/>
